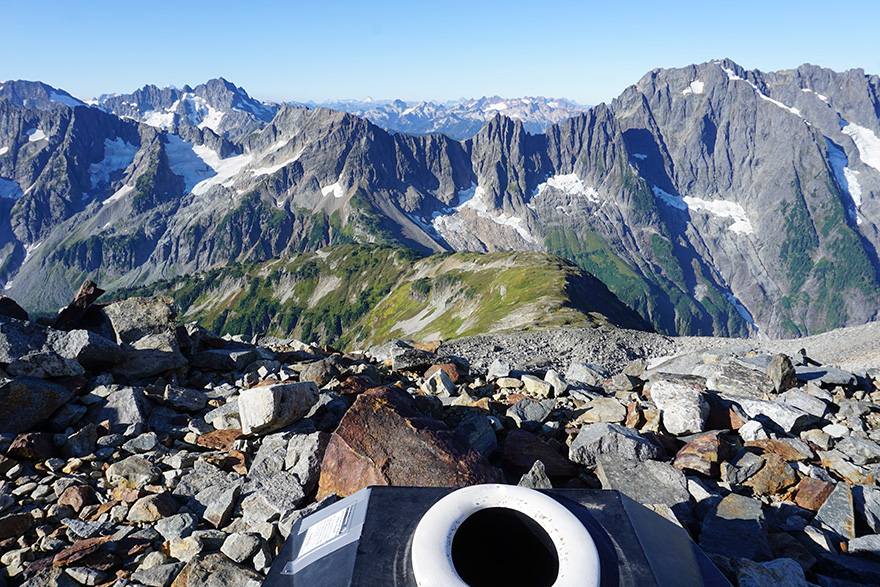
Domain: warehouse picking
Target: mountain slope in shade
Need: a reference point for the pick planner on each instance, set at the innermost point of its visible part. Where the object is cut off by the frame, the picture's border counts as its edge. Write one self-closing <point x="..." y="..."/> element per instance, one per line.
<point x="710" y="199"/>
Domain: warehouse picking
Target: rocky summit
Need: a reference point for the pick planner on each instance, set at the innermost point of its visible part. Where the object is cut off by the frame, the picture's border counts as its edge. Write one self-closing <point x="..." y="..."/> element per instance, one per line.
<point x="138" y="451"/>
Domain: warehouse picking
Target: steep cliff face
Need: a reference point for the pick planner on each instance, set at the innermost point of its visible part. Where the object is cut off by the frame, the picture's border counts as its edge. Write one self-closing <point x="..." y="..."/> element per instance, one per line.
<point x="710" y="199"/>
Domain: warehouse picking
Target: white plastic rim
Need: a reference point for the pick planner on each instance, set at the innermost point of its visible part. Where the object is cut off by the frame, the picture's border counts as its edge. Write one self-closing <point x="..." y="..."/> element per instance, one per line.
<point x="432" y="541"/>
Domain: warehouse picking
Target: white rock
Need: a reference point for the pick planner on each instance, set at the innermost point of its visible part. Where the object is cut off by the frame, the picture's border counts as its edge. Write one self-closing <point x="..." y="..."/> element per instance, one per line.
<point x="682" y="406"/>
<point x="268" y="408"/>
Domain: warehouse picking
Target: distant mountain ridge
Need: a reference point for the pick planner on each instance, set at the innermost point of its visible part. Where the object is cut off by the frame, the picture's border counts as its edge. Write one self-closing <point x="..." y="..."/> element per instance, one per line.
<point x="460" y="120"/>
<point x="710" y="199"/>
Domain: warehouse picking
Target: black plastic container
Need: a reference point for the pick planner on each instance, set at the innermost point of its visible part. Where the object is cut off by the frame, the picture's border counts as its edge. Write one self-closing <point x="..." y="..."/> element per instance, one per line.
<point x="489" y="535"/>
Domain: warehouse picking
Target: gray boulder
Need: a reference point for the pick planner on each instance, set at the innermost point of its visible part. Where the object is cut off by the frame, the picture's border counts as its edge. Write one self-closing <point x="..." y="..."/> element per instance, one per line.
<point x="26" y="401"/>
<point x="44" y="364"/>
<point x="612" y="440"/>
<point x="647" y="482"/>
<point x="682" y="404"/>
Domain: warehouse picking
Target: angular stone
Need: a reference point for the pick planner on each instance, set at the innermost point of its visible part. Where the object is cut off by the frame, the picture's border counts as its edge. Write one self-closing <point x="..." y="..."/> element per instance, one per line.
<point x="860" y="451"/>
<point x="774" y="477"/>
<point x="530" y="414"/>
<point x="219" y="439"/>
<point x="215" y="570"/>
<point x="499" y="369"/>
<point x="585" y="374"/>
<point x="869" y="544"/>
<point x="384" y="440"/>
<point x="867" y="505"/>
<point x="536" y="478"/>
<point x="735" y="527"/>
<point x="603" y="409"/>
<point x="26" y="402"/>
<point x="186" y="549"/>
<point x="47" y="576"/>
<point x="77" y="497"/>
<point x="86" y="576"/>
<point x="159" y="575"/>
<point x="522" y="449"/>
<point x="827" y="376"/>
<point x="240" y="546"/>
<point x="648" y="482"/>
<point x="683" y="407"/>
<point x="838" y="512"/>
<point x="410" y="359"/>
<point x="789" y="418"/>
<point x="537" y="387"/>
<point x="89" y="349"/>
<point x="558" y="383"/>
<point x="450" y="369"/>
<point x="177" y="526"/>
<point x="152" y="508"/>
<point x="812" y="493"/>
<point x="182" y="398"/>
<point x="781" y="572"/>
<point x="735" y="379"/>
<point x="703" y="454"/>
<point x="790" y="449"/>
<point x="37" y="446"/>
<point x="320" y="372"/>
<point x="132" y="473"/>
<point x="15" y="525"/>
<point x="477" y="429"/>
<point x="123" y="405"/>
<point x="612" y="440"/>
<point x="263" y="409"/>
<point x="836" y="462"/>
<point x="43" y="365"/>
<point x="146" y="442"/>
<point x="439" y="384"/>
<point x="806" y="402"/>
<point x="741" y="468"/>
<point x="80" y="550"/>
<point x="781" y="373"/>
<point x="219" y="509"/>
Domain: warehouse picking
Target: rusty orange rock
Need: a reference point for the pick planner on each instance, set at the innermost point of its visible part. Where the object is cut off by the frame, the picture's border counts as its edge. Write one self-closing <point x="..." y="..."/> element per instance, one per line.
<point x="703" y="455"/>
<point x="812" y="493"/>
<point x="384" y="440"/>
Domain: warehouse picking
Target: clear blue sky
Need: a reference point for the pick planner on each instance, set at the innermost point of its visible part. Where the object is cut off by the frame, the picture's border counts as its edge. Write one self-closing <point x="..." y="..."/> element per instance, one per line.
<point x="587" y="51"/>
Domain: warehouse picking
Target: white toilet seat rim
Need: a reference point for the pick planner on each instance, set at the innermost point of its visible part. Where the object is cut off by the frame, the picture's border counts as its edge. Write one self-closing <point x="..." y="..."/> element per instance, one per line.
<point x="432" y="541"/>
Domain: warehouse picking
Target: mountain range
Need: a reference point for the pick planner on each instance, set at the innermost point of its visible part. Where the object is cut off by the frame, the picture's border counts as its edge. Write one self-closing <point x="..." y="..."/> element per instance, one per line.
<point x="709" y="199"/>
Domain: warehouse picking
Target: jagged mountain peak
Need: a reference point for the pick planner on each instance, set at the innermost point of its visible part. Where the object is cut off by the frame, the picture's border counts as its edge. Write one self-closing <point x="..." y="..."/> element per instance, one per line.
<point x="36" y="95"/>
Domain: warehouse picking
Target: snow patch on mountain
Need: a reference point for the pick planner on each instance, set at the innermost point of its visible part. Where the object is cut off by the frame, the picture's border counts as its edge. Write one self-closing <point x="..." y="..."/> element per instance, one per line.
<point x="733" y="77"/>
<point x="569" y="184"/>
<point x="119" y="194"/>
<point x="160" y="119"/>
<point x="695" y="87"/>
<point x="867" y="143"/>
<point x="474" y="199"/>
<point x="335" y="189"/>
<point x="118" y="155"/>
<point x="846" y="178"/>
<point x="67" y="100"/>
<point x="718" y="208"/>
<point x="3" y="151"/>
<point x="817" y="94"/>
<point x="10" y="189"/>
<point x="274" y="168"/>
<point x="202" y="167"/>
<point x="36" y="134"/>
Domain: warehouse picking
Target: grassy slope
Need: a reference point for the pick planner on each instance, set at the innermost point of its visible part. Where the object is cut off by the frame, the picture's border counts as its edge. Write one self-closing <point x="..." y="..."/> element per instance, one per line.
<point x="355" y="295"/>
